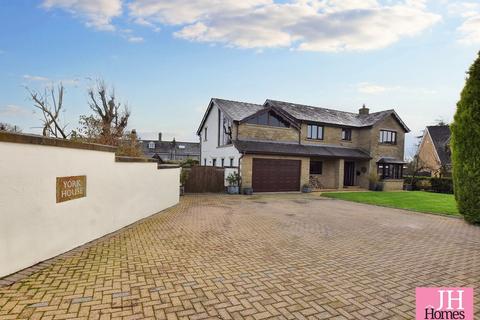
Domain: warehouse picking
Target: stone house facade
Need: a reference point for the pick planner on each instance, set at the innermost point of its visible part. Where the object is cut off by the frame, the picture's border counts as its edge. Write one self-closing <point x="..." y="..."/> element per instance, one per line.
<point x="434" y="151"/>
<point x="281" y="146"/>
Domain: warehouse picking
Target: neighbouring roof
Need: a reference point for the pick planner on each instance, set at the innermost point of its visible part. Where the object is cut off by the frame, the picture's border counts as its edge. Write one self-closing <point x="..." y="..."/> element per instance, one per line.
<point x="180" y="148"/>
<point x="238" y="111"/>
<point x="256" y="147"/>
<point x="441" y="138"/>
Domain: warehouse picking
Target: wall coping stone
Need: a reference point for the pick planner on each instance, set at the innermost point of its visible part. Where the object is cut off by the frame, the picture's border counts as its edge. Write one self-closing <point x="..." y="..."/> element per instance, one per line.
<point x="53" y="142"/>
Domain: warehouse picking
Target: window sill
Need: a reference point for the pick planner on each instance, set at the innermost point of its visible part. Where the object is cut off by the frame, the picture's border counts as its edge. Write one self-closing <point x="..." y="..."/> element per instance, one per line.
<point x="225" y="146"/>
<point x="312" y="139"/>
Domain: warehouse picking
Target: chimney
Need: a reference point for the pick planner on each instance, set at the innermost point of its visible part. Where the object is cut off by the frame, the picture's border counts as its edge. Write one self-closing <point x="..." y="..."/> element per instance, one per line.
<point x="159" y="136"/>
<point x="363" y="111"/>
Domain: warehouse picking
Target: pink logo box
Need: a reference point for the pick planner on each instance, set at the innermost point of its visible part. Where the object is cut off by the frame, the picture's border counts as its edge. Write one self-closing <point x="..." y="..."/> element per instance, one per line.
<point x="444" y="303"/>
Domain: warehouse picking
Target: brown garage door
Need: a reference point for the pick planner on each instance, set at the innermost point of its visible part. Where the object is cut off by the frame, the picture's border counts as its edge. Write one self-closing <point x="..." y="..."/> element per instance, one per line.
<point x="275" y="175"/>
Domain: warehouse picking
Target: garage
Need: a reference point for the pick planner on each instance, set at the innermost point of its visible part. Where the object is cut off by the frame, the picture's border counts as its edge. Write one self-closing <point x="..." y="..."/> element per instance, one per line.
<point x="275" y="175"/>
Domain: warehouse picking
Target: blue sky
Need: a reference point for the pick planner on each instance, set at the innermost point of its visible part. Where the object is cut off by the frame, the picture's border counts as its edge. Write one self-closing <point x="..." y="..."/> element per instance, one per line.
<point x="166" y="59"/>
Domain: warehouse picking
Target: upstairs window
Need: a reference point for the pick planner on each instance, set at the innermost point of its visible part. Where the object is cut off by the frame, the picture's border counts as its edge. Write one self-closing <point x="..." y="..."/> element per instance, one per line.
<point x="151" y="145"/>
<point x="314" y="132"/>
<point x="347" y="134"/>
<point x="316" y="167"/>
<point x="388" y="137"/>
<point x="269" y="119"/>
<point x="214" y="162"/>
<point x="223" y="162"/>
<point x="205" y="131"/>
<point x="231" y="162"/>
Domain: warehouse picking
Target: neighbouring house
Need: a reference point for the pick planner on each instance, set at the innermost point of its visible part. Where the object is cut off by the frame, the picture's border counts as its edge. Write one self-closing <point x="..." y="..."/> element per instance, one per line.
<point x="170" y="150"/>
<point x="434" y="151"/>
<point x="281" y="146"/>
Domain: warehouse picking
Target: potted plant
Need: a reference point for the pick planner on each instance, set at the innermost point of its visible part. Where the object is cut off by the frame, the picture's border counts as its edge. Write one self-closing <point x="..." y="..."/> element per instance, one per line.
<point x="373" y="182"/>
<point x="183" y="180"/>
<point x="233" y="180"/>
<point x="306" y="188"/>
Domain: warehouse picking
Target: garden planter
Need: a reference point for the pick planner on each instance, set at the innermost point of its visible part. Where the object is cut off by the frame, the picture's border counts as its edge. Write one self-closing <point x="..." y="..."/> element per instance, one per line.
<point x="306" y="190"/>
<point x="247" y="191"/>
<point x="232" y="189"/>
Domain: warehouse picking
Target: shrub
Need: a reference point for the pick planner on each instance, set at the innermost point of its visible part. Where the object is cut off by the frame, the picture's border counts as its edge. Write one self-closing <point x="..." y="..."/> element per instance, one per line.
<point x="442" y="185"/>
<point x="424" y="184"/>
<point x="466" y="147"/>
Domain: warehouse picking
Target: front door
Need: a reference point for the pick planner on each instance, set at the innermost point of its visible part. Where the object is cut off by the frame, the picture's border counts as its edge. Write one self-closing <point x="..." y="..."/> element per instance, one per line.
<point x="349" y="173"/>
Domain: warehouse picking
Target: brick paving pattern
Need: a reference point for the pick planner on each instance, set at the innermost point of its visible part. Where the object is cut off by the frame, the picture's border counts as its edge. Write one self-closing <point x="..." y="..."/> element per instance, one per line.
<point x="261" y="257"/>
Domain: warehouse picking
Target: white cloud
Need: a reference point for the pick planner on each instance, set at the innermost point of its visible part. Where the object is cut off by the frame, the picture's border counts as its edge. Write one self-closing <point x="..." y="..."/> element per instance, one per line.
<point x="12" y="110"/>
<point x="29" y="77"/>
<point x="470" y="28"/>
<point x="372" y="88"/>
<point x="96" y="13"/>
<point x="314" y="25"/>
<point x="46" y="80"/>
<point x="135" y="39"/>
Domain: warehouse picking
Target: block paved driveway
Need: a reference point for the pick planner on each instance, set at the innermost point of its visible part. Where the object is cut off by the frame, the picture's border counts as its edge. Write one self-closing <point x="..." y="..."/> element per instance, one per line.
<point x="289" y="256"/>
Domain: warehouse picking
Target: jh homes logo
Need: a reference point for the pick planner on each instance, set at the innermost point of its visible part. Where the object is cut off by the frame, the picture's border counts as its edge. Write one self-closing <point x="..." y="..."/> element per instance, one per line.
<point x="444" y="303"/>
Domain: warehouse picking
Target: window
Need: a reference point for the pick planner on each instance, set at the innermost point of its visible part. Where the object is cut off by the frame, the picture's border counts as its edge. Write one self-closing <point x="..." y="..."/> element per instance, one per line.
<point x="347" y="134"/>
<point x="214" y="162"/>
<point x="388" y="137"/>
<point x="316" y="167"/>
<point x="314" y="132"/>
<point x="223" y="162"/>
<point x="269" y="119"/>
<point x="205" y="161"/>
<point x="151" y="145"/>
<point x="231" y="162"/>
<point x="205" y="134"/>
<point x="390" y="170"/>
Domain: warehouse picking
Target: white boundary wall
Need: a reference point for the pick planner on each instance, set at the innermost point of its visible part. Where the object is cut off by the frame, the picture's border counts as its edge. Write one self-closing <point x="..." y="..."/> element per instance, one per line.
<point x="33" y="227"/>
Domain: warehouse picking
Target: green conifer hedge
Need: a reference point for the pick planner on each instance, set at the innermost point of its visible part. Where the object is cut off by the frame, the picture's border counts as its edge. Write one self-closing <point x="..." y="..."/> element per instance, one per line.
<point x="465" y="143"/>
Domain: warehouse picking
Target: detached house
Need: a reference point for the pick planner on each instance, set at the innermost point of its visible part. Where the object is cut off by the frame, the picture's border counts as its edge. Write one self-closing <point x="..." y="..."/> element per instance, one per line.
<point x="281" y="146"/>
<point x="170" y="150"/>
<point x="434" y="150"/>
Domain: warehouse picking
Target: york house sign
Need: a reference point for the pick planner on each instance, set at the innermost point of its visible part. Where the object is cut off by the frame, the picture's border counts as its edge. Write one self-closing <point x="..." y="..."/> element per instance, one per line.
<point x="70" y="188"/>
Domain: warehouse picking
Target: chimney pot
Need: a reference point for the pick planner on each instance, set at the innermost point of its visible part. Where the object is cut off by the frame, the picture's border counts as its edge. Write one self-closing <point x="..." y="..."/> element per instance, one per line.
<point x="363" y="110"/>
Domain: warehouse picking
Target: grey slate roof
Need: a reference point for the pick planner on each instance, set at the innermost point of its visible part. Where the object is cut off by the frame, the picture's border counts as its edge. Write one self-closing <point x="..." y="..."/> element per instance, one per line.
<point x="330" y="116"/>
<point x="256" y="147"/>
<point x="238" y="111"/>
<point x="167" y="148"/>
<point x="441" y="137"/>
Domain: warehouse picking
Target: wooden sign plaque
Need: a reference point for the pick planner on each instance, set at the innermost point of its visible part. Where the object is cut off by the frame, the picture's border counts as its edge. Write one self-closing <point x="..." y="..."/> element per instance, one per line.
<point x="70" y="188"/>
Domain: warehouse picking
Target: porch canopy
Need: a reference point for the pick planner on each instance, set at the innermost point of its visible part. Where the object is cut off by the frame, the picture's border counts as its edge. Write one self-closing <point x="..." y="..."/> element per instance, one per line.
<point x="290" y="149"/>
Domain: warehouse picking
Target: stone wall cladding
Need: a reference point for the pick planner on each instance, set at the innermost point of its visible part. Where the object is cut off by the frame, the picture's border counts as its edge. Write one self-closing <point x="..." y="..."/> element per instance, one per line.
<point x="266" y="133"/>
<point x="392" y="185"/>
<point x="378" y="150"/>
<point x="331" y="136"/>
<point x="427" y="154"/>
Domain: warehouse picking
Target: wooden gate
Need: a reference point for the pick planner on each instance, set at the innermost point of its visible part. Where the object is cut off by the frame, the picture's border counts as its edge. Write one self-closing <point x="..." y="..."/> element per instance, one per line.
<point x="205" y="179"/>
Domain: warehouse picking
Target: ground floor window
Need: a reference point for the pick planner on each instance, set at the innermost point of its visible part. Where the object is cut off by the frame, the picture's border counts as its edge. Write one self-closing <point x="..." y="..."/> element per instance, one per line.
<point x="316" y="167"/>
<point x="390" y="170"/>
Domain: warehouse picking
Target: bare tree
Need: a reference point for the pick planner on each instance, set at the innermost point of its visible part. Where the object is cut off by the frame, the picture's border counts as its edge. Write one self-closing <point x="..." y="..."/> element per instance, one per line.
<point x="9" y="127"/>
<point x="109" y="119"/>
<point x="50" y="103"/>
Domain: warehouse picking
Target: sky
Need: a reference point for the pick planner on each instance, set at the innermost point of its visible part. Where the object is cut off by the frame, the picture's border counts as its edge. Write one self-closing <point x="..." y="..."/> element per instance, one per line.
<point x="166" y="59"/>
